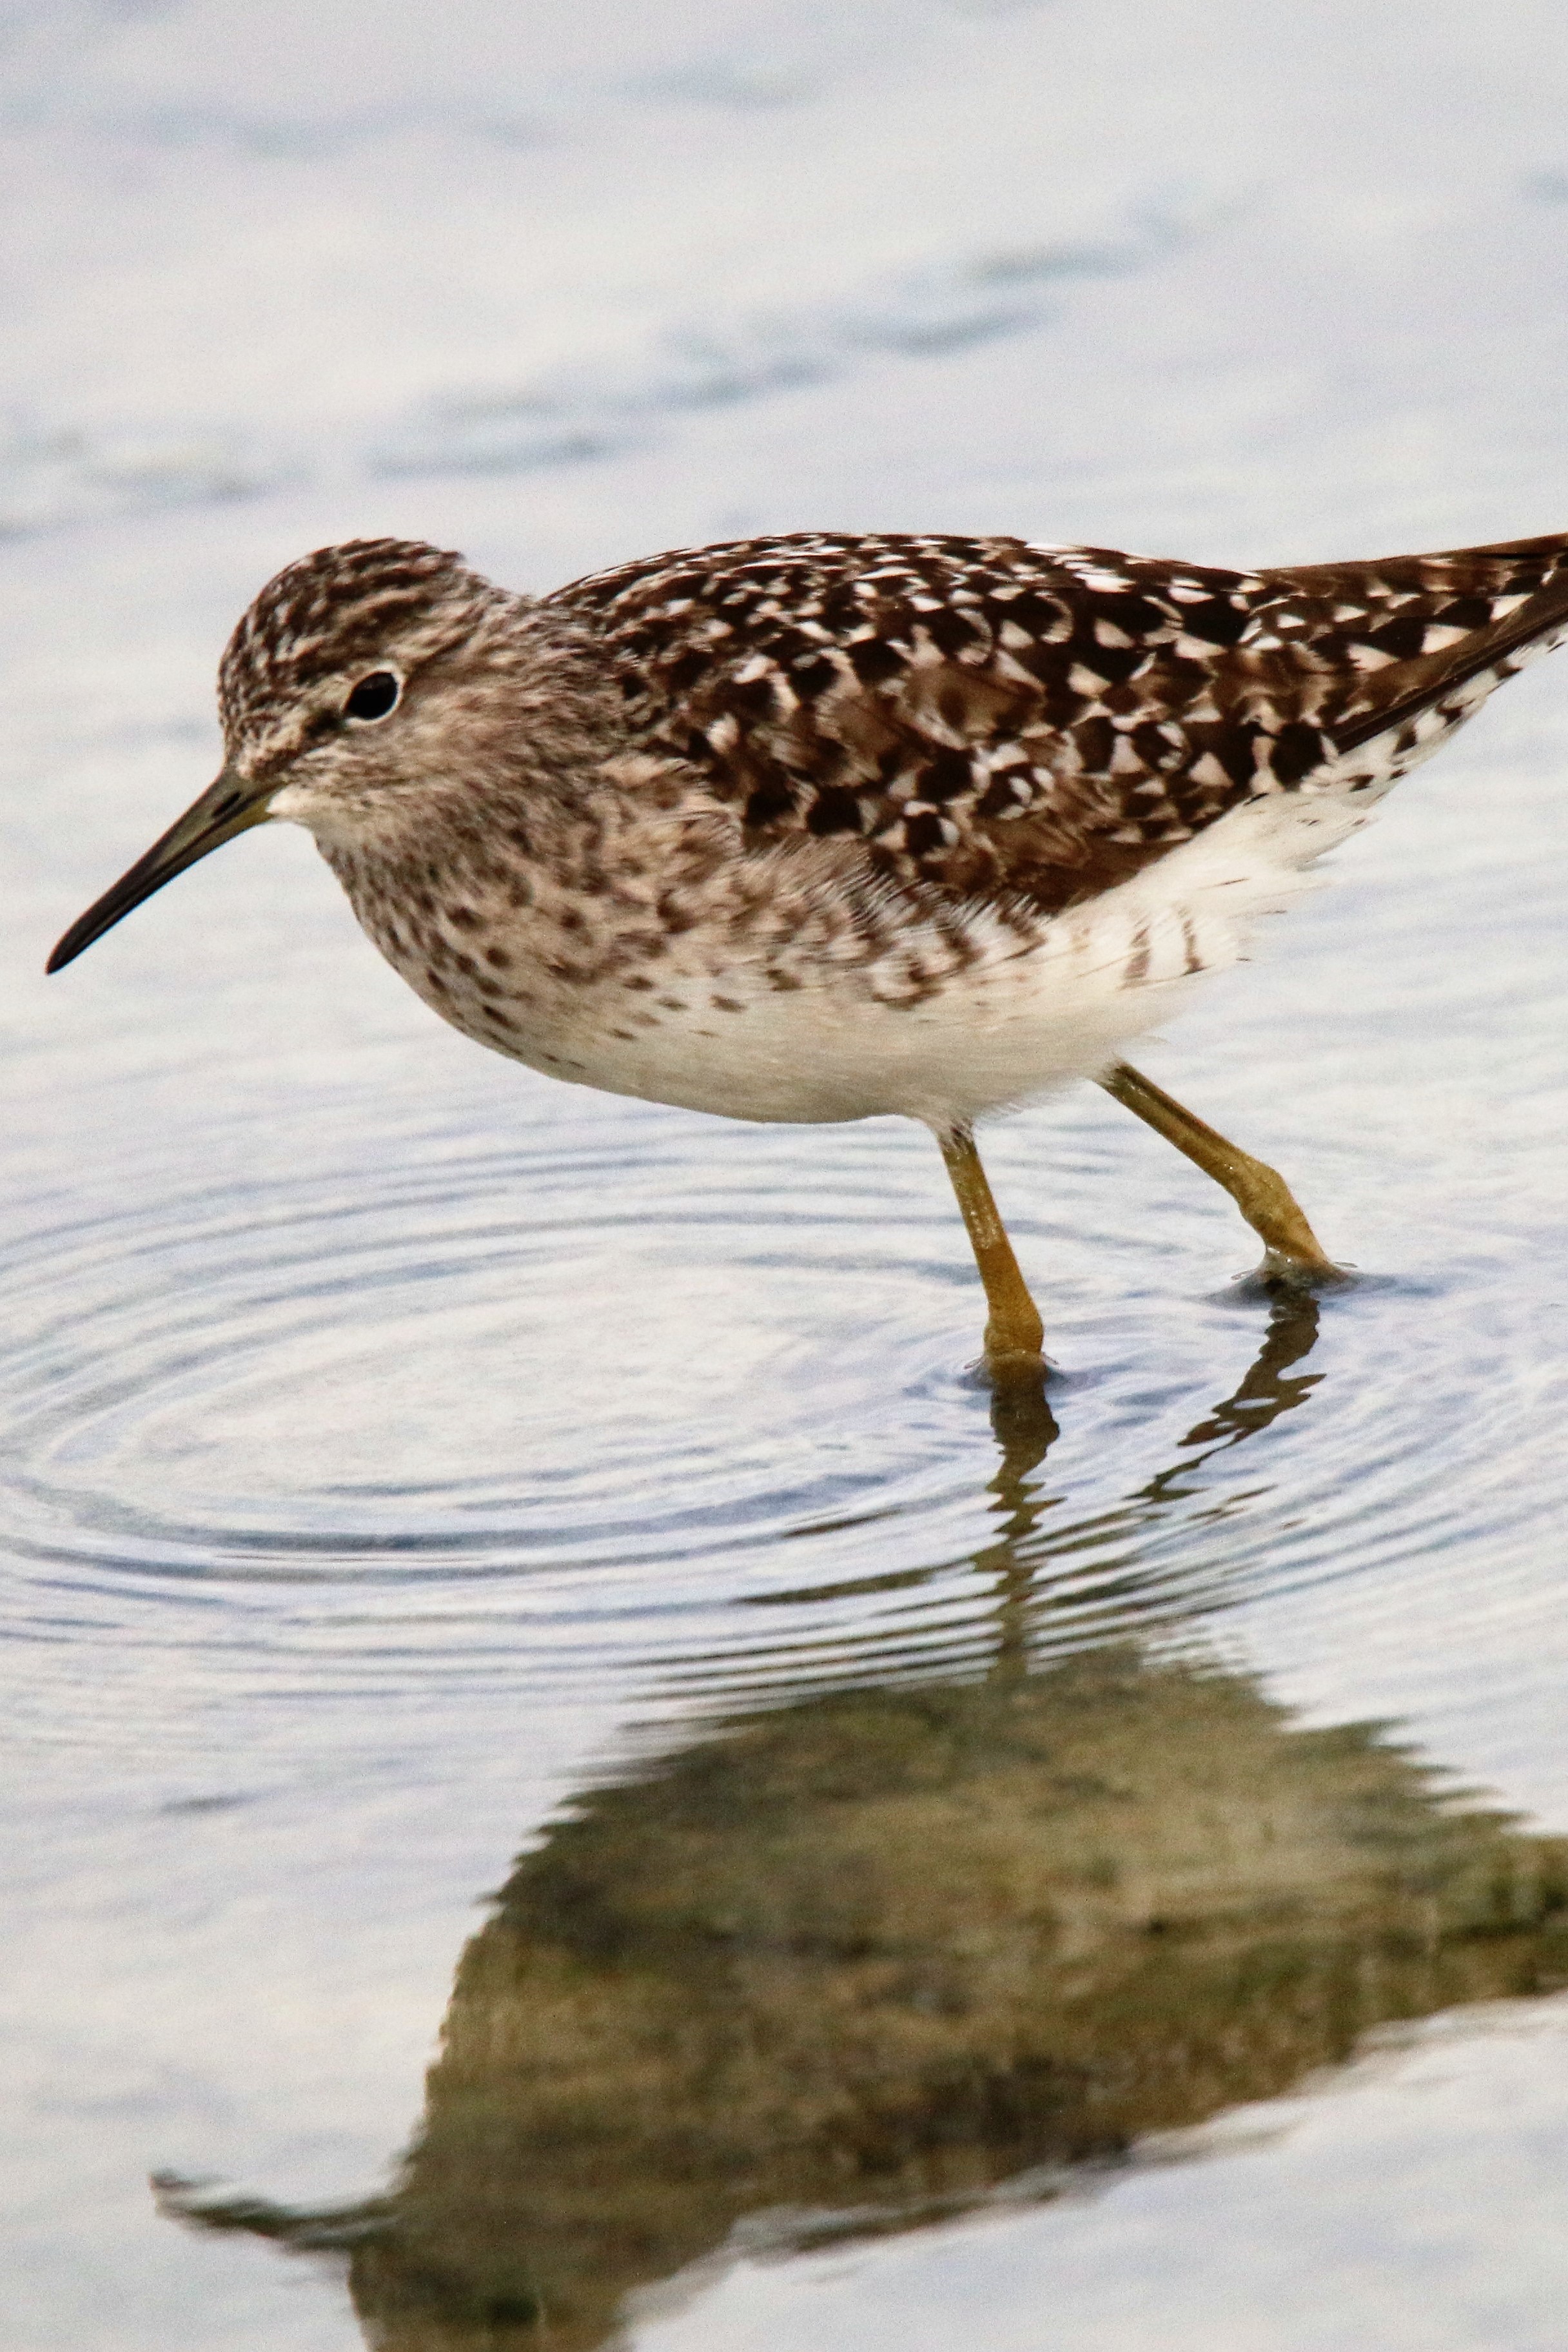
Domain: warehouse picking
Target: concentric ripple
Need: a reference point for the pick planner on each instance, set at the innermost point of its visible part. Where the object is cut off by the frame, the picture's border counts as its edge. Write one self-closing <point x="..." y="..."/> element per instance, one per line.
<point x="695" y="1405"/>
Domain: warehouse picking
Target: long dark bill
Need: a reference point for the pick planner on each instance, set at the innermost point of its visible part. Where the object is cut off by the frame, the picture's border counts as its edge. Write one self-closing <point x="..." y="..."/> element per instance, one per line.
<point x="230" y="806"/>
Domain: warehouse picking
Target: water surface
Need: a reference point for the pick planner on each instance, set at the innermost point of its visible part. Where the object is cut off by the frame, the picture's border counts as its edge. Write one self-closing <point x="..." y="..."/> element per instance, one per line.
<point x="507" y="1582"/>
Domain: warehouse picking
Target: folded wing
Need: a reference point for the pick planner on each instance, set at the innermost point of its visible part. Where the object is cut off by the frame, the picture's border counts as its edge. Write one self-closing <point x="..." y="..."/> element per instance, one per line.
<point x="1033" y="724"/>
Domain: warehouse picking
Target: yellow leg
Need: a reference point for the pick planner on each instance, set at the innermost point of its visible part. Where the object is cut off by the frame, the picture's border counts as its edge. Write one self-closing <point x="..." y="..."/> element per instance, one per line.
<point x="1291" y="1246"/>
<point x="1014" y="1331"/>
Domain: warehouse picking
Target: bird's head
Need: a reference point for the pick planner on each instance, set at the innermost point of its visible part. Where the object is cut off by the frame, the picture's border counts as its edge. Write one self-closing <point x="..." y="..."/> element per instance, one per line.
<point x="356" y="673"/>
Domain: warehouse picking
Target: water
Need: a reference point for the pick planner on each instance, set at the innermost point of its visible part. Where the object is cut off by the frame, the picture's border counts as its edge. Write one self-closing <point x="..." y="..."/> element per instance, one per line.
<point x="958" y="1880"/>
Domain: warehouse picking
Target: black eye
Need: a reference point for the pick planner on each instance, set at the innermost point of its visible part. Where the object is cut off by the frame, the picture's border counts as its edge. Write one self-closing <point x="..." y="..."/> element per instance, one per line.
<point x="374" y="696"/>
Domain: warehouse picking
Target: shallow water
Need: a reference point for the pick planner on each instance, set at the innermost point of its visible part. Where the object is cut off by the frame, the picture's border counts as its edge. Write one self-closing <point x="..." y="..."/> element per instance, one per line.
<point x="945" y="1831"/>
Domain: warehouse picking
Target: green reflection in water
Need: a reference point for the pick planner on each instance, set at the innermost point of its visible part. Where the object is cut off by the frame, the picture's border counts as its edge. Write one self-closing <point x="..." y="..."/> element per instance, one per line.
<point x="853" y="1963"/>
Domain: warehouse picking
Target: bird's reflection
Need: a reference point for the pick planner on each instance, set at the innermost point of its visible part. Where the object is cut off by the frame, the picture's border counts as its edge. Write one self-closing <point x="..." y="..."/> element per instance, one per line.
<point x="1025" y="1429"/>
<point x="1052" y="1576"/>
<point x="853" y="1961"/>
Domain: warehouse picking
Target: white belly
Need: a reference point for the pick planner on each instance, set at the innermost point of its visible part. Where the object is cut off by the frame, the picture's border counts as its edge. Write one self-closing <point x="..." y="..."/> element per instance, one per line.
<point x="1022" y="1017"/>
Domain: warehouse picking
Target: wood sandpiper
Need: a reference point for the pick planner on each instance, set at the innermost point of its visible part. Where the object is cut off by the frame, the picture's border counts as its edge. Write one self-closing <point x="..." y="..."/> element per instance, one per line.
<point x="821" y="828"/>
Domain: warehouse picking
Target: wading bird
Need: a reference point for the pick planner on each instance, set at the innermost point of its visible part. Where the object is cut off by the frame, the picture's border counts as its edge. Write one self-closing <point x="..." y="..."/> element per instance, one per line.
<point x="824" y="826"/>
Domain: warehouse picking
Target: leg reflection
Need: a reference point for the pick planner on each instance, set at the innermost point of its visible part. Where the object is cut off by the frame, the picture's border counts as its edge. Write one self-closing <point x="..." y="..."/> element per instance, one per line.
<point x="1265" y="1394"/>
<point x="1025" y="1429"/>
<point x="1022" y="1556"/>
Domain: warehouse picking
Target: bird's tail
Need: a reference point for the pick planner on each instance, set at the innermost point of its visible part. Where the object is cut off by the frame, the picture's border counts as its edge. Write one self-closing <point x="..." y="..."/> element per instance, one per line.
<point x="1524" y="580"/>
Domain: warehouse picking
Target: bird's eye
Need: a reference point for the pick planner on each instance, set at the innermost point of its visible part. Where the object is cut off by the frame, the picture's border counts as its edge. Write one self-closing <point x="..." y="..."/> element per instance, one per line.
<point x="374" y="696"/>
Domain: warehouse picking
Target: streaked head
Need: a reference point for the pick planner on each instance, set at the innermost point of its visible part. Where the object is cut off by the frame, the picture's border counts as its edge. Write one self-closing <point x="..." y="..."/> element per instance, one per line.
<point x="335" y="689"/>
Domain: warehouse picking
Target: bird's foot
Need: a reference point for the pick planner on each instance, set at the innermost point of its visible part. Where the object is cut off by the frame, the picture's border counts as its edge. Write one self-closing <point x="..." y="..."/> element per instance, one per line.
<point x="1015" y="1368"/>
<point x="1298" y="1271"/>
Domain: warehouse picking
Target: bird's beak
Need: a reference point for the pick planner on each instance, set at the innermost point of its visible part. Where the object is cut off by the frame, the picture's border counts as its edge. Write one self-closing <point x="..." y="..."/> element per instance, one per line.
<point x="230" y="806"/>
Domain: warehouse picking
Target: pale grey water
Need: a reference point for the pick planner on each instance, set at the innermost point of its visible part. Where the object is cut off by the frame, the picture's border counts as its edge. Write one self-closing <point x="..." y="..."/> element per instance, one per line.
<point x="395" y="1444"/>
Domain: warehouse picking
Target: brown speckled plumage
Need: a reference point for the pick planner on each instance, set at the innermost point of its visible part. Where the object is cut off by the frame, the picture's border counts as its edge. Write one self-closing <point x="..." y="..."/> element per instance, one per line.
<point x="996" y="718"/>
<point x="822" y="827"/>
<point x="864" y="772"/>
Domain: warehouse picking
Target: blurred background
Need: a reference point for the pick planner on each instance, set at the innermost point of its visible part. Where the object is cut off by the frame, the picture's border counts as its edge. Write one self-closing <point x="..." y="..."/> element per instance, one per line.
<point x="406" y="1462"/>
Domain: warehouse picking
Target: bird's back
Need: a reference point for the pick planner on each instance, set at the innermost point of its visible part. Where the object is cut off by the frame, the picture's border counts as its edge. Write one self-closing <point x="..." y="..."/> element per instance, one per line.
<point x="1031" y="726"/>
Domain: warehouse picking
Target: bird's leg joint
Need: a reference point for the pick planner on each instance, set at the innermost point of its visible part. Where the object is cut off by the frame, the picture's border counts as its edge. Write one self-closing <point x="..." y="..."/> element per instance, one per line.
<point x="1292" y="1249"/>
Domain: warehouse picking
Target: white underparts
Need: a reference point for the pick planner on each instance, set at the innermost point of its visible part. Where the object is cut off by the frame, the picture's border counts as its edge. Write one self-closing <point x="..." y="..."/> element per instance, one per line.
<point x="1016" y="1021"/>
